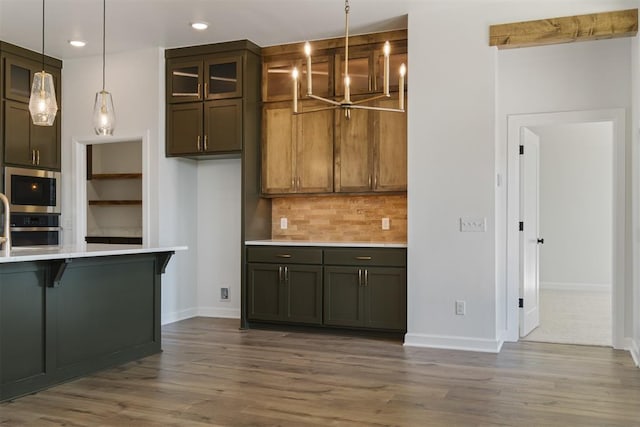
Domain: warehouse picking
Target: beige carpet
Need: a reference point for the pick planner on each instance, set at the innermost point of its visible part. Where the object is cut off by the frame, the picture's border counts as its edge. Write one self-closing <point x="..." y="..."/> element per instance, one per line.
<point x="573" y="317"/>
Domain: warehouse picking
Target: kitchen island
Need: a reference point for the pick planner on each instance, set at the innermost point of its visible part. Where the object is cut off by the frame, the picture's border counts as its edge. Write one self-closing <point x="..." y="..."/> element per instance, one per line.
<point x="69" y="311"/>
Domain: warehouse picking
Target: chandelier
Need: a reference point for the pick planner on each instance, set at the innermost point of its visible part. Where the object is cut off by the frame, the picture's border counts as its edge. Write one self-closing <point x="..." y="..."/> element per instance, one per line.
<point x="347" y="104"/>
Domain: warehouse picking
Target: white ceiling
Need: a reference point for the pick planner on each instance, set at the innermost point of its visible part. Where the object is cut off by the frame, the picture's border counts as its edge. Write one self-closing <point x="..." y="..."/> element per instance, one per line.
<point x="139" y="24"/>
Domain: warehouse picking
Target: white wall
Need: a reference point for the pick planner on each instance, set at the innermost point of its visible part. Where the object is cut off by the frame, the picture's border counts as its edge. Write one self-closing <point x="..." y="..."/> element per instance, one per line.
<point x="219" y="222"/>
<point x="576" y="167"/>
<point x="136" y="80"/>
<point x="457" y="147"/>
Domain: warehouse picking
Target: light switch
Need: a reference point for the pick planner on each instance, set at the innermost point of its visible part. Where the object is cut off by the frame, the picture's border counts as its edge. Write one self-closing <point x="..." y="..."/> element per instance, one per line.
<point x="283" y="223"/>
<point x="385" y="223"/>
<point x="470" y="224"/>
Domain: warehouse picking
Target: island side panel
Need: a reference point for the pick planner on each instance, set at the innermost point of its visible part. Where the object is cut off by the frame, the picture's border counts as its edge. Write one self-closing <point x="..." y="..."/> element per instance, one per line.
<point x="106" y="313"/>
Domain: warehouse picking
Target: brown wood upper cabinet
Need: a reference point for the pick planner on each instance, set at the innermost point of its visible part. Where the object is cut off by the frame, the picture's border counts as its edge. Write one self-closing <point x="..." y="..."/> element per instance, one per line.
<point x="297" y="150"/>
<point x="277" y="80"/>
<point x="324" y="152"/>
<point x="371" y="150"/>
<point x="212" y="94"/>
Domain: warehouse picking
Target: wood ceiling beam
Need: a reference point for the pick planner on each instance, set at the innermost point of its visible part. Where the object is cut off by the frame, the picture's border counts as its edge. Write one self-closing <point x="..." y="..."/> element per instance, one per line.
<point x="595" y="26"/>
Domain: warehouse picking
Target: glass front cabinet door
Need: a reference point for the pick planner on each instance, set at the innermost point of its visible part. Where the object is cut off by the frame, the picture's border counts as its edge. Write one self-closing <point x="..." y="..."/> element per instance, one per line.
<point x="223" y="78"/>
<point x="184" y="81"/>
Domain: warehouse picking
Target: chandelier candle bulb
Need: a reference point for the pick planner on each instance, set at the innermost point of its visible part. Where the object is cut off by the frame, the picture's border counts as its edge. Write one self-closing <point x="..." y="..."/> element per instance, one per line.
<point x="294" y="73"/>
<point x="307" y="51"/>
<point x="403" y="71"/>
<point x="347" y="89"/>
<point x="387" y="50"/>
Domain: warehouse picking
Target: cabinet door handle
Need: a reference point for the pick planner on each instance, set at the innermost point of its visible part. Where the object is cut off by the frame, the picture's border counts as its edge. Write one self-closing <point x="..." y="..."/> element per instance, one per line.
<point x="364" y="258"/>
<point x="283" y="255"/>
<point x="293" y="183"/>
<point x="38" y="157"/>
<point x="366" y="277"/>
<point x="199" y="87"/>
<point x="33" y="157"/>
<point x="198" y="143"/>
<point x="369" y="181"/>
<point x="206" y="89"/>
<point x="205" y="142"/>
<point x="286" y="274"/>
<point x="298" y="184"/>
<point x="375" y="182"/>
<point x="280" y="273"/>
<point x="359" y="277"/>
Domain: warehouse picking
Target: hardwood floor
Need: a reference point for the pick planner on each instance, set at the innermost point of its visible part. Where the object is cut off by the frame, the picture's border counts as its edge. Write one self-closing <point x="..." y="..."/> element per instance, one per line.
<point x="211" y="373"/>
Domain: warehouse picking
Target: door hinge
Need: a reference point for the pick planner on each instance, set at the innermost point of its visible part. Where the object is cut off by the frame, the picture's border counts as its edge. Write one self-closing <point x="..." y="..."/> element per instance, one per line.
<point x="521" y="150"/>
<point x="521" y="226"/>
<point x="520" y="302"/>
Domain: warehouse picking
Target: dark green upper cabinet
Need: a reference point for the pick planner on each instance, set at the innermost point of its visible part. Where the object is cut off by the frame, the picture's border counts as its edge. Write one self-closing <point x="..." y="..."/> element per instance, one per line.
<point x="222" y="82"/>
<point x="25" y="144"/>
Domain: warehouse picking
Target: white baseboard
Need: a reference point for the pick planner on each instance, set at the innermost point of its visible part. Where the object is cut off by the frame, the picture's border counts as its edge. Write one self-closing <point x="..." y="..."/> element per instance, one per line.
<point x="227" y="313"/>
<point x="453" y="343"/>
<point x="568" y="286"/>
<point x="176" y="316"/>
<point x="634" y="349"/>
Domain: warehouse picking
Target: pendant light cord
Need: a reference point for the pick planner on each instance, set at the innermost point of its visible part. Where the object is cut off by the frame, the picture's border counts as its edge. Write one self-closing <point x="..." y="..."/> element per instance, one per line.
<point x="104" y="34"/>
<point x="42" y="35"/>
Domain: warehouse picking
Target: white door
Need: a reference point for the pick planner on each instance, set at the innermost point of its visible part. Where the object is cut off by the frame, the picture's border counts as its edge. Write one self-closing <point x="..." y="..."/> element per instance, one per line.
<point x="529" y="238"/>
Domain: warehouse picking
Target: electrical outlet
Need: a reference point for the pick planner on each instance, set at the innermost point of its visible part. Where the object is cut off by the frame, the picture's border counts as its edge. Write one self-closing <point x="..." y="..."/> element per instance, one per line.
<point x="473" y="224"/>
<point x="283" y="223"/>
<point x="461" y="307"/>
<point x="385" y="223"/>
<point x="224" y="294"/>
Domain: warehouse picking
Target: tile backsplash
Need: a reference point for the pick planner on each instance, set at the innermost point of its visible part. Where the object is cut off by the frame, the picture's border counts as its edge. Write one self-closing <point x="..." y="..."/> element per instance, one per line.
<point x="340" y="218"/>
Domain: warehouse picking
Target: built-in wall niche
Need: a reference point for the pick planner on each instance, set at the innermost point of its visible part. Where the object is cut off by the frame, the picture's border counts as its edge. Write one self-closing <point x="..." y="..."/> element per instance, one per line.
<point x="114" y="193"/>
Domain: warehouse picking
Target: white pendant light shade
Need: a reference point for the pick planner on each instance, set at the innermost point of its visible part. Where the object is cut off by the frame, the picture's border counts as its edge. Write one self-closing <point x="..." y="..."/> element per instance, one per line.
<point x="104" y="116"/>
<point x="42" y="103"/>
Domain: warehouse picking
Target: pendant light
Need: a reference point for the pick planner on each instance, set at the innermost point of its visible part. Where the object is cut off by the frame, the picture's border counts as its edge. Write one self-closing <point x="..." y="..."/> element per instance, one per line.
<point x="42" y="102"/>
<point x="104" y="117"/>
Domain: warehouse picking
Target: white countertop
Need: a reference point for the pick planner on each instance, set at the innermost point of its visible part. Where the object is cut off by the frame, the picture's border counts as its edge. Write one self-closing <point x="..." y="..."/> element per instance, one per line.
<point x="325" y="244"/>
<point x="34" y="253"/>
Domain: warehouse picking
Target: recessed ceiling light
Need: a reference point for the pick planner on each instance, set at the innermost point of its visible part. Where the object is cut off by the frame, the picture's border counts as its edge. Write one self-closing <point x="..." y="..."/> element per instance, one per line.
<point x="199" y="25"/>
<point x="77" y="43"/>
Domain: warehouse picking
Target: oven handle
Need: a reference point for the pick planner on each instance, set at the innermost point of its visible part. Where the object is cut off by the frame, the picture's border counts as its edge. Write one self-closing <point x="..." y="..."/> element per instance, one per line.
<point x="35" y="228"/>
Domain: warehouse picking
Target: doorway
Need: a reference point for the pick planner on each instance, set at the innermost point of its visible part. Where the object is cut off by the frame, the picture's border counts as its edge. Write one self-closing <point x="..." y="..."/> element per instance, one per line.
<point x="612" y="124"/>
<point x="567" y="205"/>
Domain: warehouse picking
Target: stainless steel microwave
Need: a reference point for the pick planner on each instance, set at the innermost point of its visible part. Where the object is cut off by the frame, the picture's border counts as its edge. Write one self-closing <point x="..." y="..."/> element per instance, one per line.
<point x="32" y="190"/>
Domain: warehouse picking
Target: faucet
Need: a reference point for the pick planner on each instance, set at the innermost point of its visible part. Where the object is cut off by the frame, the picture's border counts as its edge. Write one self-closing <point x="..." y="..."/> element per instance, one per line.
<point x="6" y="238"/>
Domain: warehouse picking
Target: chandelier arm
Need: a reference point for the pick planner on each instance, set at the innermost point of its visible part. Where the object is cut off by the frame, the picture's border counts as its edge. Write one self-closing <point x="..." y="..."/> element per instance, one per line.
<point x="373" y="98"/>
<point x="366" y="107"/>
<point x="315" y="110"/>
<point x="319" y="98"/>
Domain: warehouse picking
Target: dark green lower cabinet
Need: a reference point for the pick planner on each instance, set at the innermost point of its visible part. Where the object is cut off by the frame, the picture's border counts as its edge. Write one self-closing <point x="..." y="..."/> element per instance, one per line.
<point x="285" y="293"/>
<point x="338" y="287"/>
<point x="103" y="311"/>
<point x="368" y="297"/>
